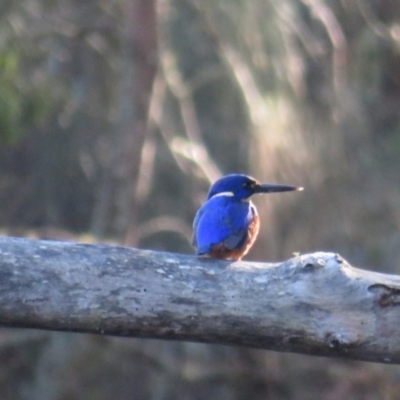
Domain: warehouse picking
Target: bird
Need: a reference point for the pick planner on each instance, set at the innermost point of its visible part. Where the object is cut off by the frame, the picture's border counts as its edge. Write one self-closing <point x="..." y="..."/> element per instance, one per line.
<point x="226" y="225"/>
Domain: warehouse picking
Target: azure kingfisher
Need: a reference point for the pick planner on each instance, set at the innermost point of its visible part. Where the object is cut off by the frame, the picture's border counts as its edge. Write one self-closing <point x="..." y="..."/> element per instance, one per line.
<point x="227" y="224"/>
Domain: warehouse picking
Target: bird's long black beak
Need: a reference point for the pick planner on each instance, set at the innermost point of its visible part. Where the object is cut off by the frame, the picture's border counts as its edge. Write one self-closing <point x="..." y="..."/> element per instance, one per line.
<point x="272" y="188"/>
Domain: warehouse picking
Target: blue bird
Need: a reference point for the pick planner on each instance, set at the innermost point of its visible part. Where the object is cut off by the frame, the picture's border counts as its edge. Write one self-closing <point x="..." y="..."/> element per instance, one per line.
<point x="227" y="224"/>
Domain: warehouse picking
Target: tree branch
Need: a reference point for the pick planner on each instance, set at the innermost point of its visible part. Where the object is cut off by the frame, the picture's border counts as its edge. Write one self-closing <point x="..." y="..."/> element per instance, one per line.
<point x="314" y="304"/>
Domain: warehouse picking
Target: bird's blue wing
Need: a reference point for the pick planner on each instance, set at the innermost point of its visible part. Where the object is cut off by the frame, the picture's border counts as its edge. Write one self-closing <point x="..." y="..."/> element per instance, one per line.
<point x="195" y="224"/>
<point x="221" y="220"/>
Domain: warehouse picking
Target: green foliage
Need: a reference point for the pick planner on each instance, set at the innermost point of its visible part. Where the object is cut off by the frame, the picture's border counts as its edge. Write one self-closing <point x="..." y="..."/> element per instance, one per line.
<point x="10" y="97"/>
<point x="24" y="103"/>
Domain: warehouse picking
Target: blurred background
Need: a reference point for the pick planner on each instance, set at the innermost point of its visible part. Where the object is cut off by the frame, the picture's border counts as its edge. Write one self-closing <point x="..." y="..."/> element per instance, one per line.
<point x="115" y="116"/>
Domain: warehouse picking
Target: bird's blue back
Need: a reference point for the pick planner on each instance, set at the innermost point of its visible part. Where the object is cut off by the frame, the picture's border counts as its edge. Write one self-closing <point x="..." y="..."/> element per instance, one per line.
<point x="223" y="219"/>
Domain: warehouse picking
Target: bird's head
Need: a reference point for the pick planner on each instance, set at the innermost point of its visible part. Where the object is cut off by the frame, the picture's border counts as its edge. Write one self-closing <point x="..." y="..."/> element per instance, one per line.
<point x="243" y="186"/>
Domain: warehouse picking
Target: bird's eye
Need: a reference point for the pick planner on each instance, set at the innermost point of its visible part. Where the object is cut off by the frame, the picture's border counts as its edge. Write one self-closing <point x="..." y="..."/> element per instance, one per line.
<point x="249" y="185"/>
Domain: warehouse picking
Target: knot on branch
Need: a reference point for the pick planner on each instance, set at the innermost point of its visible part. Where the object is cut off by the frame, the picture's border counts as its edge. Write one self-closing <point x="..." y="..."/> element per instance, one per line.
<point x="313" y="265"/>
<point x="319" y="260"/>
<point x="339" y="342"/>
<point x="386" y="296"/>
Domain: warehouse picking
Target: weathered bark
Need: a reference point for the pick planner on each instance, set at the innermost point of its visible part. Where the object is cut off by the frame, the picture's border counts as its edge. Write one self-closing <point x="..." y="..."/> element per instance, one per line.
<point x="315" y="304"/>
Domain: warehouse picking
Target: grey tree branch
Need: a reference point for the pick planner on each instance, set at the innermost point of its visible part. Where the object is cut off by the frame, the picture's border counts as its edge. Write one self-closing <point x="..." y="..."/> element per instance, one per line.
<point x="315" y="304"/>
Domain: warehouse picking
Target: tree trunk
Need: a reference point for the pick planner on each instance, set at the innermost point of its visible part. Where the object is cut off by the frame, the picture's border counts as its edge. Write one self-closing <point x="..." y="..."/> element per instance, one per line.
<point x="315" y="304"/>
